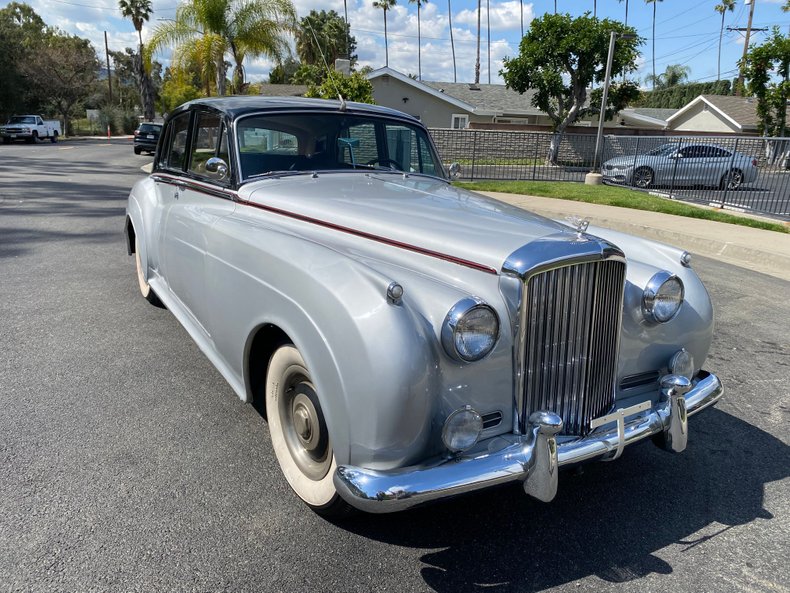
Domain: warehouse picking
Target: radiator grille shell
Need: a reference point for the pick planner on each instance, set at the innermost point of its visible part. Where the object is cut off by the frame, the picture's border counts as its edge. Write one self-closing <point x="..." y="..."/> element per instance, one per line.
<point x="570" y="323"/>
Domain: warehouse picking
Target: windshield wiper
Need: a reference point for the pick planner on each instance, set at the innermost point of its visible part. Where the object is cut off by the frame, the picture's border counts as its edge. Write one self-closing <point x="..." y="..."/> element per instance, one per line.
<point x="278" y="174"/>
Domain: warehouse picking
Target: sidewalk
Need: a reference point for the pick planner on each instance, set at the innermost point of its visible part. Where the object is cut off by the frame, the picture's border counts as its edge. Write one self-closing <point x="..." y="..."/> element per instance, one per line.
<point x="762" y="251"/>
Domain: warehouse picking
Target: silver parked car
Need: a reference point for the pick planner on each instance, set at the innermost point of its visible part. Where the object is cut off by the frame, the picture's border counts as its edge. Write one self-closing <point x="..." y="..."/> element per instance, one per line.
<point x="409" y="340"/>
<point x="682" y="165"/>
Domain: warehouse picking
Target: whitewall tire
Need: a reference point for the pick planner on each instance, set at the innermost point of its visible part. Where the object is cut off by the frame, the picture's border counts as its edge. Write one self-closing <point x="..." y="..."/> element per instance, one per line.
<point x="145" y="288"/>
<point x="299" y="434"/>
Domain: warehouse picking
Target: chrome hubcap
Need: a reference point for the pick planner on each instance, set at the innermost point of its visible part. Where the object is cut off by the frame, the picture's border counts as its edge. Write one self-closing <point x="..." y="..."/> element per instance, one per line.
<point x="303" y="425"/>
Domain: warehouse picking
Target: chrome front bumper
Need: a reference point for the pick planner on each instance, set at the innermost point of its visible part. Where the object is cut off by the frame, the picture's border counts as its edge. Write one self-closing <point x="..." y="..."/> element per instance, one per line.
<point x="533" y="458"/>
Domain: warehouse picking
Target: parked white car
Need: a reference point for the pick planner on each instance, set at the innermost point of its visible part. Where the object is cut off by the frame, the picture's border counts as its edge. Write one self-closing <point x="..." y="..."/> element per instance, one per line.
<point x="30" y="128"/>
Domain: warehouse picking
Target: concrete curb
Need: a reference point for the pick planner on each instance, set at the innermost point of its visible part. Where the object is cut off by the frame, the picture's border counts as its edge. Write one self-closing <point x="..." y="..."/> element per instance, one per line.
<point x="762" y="251"/>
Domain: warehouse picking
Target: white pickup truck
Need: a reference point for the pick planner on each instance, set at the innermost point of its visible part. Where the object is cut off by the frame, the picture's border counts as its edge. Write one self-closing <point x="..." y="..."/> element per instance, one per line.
<point x="30" y="128"/>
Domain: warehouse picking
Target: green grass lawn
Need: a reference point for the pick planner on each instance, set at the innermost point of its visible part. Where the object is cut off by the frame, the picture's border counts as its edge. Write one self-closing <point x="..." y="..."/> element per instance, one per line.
<point x="615" y="196"/>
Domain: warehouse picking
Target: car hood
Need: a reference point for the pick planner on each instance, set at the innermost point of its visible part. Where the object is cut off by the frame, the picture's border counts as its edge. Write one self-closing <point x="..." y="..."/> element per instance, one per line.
<point x="413" y="210"/>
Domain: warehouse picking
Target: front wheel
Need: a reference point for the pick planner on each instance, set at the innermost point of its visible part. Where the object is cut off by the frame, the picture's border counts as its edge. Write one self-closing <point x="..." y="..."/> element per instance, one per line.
<point x="299" y="433"/>
<point x="643" y="177"/>
<point x="145" y="288"/>
<point x="732" y="179"/>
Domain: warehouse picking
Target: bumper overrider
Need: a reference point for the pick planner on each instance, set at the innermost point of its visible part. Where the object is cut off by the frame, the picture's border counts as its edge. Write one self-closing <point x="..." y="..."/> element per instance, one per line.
<point x="535" y="457"/>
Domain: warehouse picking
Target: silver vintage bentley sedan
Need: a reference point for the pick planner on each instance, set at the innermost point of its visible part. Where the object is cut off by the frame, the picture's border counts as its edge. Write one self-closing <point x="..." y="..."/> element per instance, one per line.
<point x="409" y="340"/>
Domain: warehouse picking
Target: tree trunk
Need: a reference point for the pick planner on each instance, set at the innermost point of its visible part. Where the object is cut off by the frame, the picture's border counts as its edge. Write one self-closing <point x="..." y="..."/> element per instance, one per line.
<point x="477" y="62"/>
<point x="419" y="44"/>
<point x="145" y="86"/>
<point x="386" y="45"/>
<point x="721" y="33"/>
<point x="220" y="76"/>
<point x="452" y="43"/>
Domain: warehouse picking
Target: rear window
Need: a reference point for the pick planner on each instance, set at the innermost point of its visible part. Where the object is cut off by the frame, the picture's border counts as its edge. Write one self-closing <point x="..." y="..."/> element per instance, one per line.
<point x="150" y="128"/>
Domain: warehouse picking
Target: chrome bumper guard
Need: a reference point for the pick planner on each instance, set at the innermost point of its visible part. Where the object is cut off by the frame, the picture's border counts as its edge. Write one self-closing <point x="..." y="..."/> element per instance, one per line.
<point x="533" y="458"/>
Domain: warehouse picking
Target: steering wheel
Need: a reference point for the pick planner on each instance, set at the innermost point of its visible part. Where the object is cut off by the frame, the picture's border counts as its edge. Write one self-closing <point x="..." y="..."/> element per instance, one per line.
<point x="393" y="163"/>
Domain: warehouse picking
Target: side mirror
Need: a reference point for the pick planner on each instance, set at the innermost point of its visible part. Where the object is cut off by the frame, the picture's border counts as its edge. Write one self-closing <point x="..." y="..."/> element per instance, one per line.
<point x="455" y="171"/>
<point x="218" y="167"/>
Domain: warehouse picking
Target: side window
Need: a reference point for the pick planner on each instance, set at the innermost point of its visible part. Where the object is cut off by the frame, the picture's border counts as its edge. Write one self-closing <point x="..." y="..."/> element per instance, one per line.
<point x="209" y="141"/>
<point x="175" y="155"/>
<point x="719" y="152"/>
<point x="357" y="145"/>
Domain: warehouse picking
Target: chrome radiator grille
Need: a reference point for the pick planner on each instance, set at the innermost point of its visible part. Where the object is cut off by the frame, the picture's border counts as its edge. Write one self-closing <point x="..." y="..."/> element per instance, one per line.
<point x="571" y="325"/>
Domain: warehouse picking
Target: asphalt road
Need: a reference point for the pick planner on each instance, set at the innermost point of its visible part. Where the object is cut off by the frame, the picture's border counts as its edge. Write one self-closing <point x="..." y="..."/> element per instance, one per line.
<point x="128" y="464"/>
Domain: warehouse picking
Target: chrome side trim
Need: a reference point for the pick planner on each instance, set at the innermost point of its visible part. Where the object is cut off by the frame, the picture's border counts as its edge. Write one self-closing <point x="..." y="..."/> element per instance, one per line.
<point x="513" y="457"/>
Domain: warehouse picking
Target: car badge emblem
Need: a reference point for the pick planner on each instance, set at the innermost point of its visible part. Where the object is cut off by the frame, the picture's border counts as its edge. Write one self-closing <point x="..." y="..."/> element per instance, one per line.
<point x="580" y="224"/>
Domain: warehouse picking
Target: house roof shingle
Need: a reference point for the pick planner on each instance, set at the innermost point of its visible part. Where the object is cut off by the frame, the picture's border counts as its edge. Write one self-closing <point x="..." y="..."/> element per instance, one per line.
<point x="489" y="98"/>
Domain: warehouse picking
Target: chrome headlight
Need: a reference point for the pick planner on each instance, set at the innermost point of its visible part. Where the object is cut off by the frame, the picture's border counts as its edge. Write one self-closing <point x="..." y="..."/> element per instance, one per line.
<point x="470" y="330"/>
<point x="662" y="297"/>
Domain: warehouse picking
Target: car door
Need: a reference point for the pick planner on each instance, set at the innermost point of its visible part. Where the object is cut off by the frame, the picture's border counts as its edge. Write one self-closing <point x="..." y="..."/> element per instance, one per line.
<point x="200" y="199"/>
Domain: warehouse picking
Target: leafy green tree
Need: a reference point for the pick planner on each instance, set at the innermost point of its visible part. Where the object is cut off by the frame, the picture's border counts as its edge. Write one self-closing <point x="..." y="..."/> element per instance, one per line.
<point x="178" y="87"/>
<point x="324" y="35"/>
<point x="674" y="75"/>
<point x="561" y="57"/>
<point x="653" y="39"/>
<point x="283" y="72"/>
<point x="21" y="31"/>
<point x="139" y="11"/>
<point x="208" y="30"/>
<point x="63" y="68"/>
<point x="385" y="6"/>
<point x="767" y="71"/>
<point x="352" y="88"/>
<point x="127" y="78"/>
<point x="723" y="8"/>
<point x="680" y="95"/>
<point x="309" y="74"/>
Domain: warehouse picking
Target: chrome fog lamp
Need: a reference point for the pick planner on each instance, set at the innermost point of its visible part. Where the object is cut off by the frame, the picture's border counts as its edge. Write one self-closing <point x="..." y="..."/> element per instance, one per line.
<point x="682" y="363"/>
<point x="470" y="330"/>
<point x="462" y="429"/>
<point x="662" y="297"/>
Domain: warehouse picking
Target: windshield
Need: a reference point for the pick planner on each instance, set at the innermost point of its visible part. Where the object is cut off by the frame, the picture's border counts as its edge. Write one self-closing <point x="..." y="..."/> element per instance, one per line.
<point x="19" y="119"/>
<point x="306" y="142"/>
<point x="663" y="149"/>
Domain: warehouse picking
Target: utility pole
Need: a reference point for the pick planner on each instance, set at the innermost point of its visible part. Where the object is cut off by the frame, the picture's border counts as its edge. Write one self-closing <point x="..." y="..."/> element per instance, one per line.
<point x="739" y="84"/>
<point x="109" y="72"/>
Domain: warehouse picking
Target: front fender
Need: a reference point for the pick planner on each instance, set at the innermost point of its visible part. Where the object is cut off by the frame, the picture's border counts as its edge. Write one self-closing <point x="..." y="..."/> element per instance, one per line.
<point x="371" y="360"/>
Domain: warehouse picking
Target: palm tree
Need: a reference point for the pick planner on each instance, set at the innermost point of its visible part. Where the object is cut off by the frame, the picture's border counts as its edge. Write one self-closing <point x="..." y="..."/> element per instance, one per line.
<point x="240" y="28"/>
<point x="452" y="43"/>
<point x="488" y="43"/>
<point x="521" y="3"/>
<point x="385" y="5"/>
<point x="722" y="8"/>
<point x="348" y="29"/>
<point x="419" y="38"/>
<point x="477" y="62"/>
<point x="674" y="75"/>
<point x="654" y="3"/>
<point x="595" y="8"/>
<point x="139" y="11"/>
<point x="626" y="11"/>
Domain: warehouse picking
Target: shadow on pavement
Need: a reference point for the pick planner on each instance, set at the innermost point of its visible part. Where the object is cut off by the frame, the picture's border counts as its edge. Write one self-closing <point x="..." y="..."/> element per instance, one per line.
<point x="609" y="521"/>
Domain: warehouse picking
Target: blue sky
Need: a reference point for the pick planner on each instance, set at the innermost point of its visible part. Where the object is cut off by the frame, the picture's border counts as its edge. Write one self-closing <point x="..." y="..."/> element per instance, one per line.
<point x="687" y="31"/>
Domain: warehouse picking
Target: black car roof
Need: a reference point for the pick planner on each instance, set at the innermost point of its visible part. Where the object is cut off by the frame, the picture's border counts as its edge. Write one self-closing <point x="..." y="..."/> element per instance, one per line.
<point x="236" y="107"/>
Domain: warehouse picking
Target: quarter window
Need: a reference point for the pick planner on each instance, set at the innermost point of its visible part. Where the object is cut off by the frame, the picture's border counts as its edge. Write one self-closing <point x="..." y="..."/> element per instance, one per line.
<point x="210" y="140"/>
<point x="175" y="155"/>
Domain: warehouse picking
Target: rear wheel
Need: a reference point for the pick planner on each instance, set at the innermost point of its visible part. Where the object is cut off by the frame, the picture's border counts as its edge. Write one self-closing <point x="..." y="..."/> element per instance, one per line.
<point x="54" y="137"/>
<point x="732" y="179"/>
<point x="643" y="177"/>
<point x="145" y="288"/>
<point x="137" y="150"/>
<point x="299" y="433"/>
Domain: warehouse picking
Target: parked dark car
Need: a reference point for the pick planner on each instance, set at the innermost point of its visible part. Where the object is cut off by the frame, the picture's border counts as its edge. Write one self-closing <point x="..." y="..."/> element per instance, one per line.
<point x="146" y="137"/>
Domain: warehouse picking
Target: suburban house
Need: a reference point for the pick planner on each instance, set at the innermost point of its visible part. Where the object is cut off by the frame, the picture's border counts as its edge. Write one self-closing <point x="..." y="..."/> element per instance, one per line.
<point x="716" y="113"/>
<point x="455" y="104"/>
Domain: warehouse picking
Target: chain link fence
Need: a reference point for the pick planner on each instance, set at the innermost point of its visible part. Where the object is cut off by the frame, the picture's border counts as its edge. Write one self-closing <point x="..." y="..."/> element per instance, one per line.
<point x="740" y="172"/>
